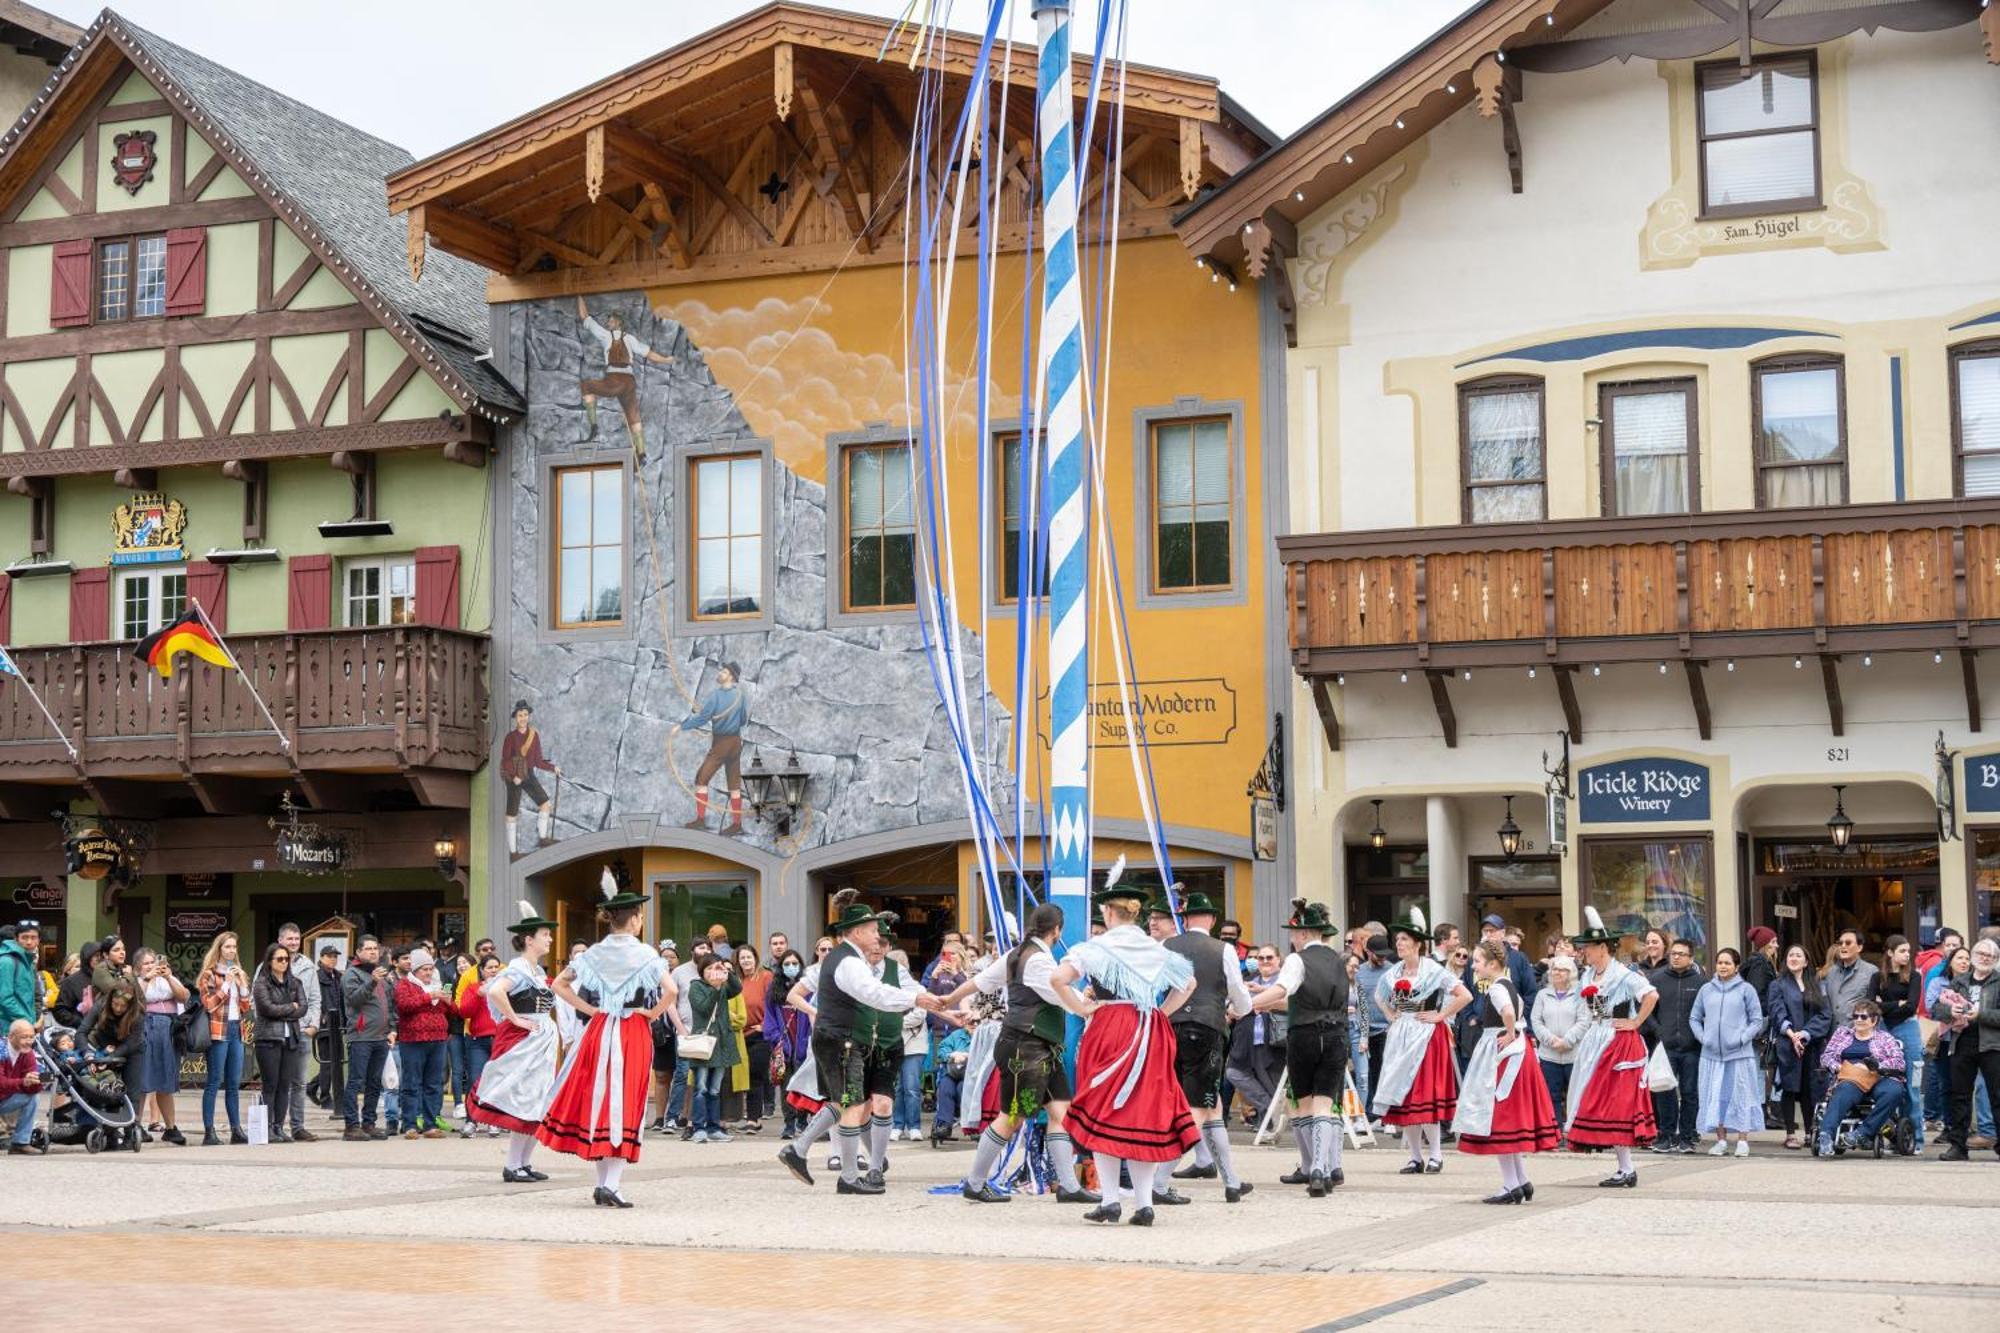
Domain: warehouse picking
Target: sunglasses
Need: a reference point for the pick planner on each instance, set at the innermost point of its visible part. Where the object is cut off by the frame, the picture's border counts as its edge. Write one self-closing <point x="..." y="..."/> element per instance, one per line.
<point x="1267" y="958"/>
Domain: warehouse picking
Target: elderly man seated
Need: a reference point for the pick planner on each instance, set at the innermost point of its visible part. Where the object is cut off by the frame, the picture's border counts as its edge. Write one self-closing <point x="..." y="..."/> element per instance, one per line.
<point x="20" y="1084"/>
<point x="1861" y="1059"/>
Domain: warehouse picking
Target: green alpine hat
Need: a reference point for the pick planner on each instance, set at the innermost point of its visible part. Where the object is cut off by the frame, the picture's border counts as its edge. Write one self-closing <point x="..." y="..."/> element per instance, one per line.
<point x="531" y="920"/>
<point x="1118" y="893"/>
<point x="616" y="899"/>
<point x="1594" y="931"/>
<point x="1197" y="904"/>
<point x="1309" y="916"/>
<point x="1157" y="907"/>
<point x="849" y="911"/>
<point x="1412" y="925"/>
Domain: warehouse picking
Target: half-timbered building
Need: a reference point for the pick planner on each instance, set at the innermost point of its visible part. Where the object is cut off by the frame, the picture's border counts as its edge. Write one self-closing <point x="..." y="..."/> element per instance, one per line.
<point x="219" y="387"/>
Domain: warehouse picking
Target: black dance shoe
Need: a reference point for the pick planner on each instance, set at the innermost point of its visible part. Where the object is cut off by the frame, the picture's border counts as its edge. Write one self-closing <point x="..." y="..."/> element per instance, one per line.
<point x="795" y="1163"/>
<point x="984" y="1194"/>
<point x="1234" y="1193"/>
<point x="1624" y="1180"/>
<point x="1077" y="1196"/>
<point x="1170" y="1198"/>
<point x="1294" y="1178"/>
<point x="865" y="1185"/>
<point x="1433" y="1166"/>
<point x="1142" y="1217"/>
<point x="1411" y="1169"/>
<point x="513" y="1175"/>
<point x="1194" y="1172"/>
<point x="1527" y="1191"/>
<point x="1335" y="1179"/>
<point x="609" y="1198"/>
<point x="1316" y="1187"/>
<point x="1504" y="1196"/>
<point x="1104" y="1212"/>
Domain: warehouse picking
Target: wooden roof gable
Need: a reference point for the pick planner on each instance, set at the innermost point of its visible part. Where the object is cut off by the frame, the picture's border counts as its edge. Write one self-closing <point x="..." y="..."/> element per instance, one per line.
<point x="318" y="175"/>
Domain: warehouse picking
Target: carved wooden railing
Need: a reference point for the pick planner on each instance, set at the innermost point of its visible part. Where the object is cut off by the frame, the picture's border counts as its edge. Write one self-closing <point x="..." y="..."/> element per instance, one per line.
<point x="402" y="697"/>
<point x="1913" y="575"/>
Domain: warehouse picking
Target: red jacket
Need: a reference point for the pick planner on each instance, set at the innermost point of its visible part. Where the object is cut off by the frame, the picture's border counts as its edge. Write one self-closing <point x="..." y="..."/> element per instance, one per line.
<point x="417" y="1019"/>
<point x="478" y="1018"/>
<point x="14" y="1070"/>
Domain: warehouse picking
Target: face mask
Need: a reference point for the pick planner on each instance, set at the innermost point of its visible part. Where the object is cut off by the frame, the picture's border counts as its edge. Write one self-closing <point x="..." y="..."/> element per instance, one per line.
<point x="791" y="969"/>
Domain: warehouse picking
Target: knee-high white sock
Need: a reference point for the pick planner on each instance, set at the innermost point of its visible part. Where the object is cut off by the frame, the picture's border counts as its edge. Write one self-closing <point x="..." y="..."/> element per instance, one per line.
<point x="1434" y="1140"/>
<point x="1414" y="1136"/>
<point x="1624" y="1158"/>
<point x="1142" y="1182"/>
<point x="1326" y="1154"/>
<point x="614" y="1171"/>
<point x="544" y="821"/>
<point x="816" y="1129"/>
<point x="991" y="1145"/>
<point x="878" y="1141"/>
<point x="1302" y="1134"/>
<point x="518" y="1147"/>
<point x="849" y="1139"/>
<point x="1215" y="1134"/>
<point x="1335" y="1139"/>
<point x="1062" y="1155"/>
<point x="602" y="1169"/>
<point x="1107" y="1177"/>
<point x="1510" y="1170"/>
<point x="510" y="835"/>
<point x="1202" y="1156"/>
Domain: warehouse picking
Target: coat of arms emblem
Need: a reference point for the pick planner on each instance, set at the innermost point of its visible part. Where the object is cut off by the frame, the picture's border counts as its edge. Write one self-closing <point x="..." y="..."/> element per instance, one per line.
<point x="133" y="158"/>
<point x="147" y="531"/>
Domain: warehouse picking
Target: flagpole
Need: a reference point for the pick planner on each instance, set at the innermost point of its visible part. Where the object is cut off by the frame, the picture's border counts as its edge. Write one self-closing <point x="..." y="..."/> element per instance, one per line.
<point x="28" y="685"/>
<point x="283" y="741"/>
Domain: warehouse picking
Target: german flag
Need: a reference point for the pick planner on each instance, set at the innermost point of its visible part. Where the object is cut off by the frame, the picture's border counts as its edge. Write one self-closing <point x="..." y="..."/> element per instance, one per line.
<point x="185" y="635"/>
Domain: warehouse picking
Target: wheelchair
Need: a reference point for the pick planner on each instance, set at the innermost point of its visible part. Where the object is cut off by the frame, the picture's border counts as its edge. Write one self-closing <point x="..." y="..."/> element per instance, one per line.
<point x="1898" y="1134"/>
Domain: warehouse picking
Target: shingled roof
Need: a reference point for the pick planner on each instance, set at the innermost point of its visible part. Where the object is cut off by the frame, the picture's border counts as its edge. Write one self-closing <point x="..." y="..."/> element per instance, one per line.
<point x="327" y="177"/>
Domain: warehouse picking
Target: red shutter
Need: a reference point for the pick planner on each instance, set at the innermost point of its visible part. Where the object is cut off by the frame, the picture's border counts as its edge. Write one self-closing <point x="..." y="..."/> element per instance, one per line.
<point x="69" y="285"/>
<point x="90" y="606"/>
<point x="187" y="271"/>
<point x="6" y="609"/>
<point x="437" y="586"/>
<point x="310" y="601"/>
<point x="208" y="584"/>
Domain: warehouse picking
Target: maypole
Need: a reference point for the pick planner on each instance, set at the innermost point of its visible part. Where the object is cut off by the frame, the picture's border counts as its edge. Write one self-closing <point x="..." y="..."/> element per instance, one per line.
<point x="1062" y="364"/>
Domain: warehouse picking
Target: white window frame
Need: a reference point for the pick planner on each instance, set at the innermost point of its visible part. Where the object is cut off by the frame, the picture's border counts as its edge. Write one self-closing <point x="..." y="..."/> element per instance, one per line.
<point x="154" y="577"/>
<point x="385" y="568"/>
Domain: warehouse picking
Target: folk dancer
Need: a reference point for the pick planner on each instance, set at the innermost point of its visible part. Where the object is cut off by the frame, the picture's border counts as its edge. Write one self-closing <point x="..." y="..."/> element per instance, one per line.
<point x="854" y="1074"/>
<point x="1504" y="1109"/>
<point x="1128" y="1111"/>
<point x="1417" y="1086"/>
<point x="1201" y="1037"/>
<point x="599" y="1108"/>
<point x="1609" y="1106"/>
<point x="1311" y="987"/>
<point x="514" y="1090"/>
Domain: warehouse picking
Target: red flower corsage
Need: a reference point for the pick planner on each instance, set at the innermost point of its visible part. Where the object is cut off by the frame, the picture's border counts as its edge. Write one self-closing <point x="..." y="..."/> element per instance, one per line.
<point x="1403" y="987"/>
<point x="1589" y="992"/>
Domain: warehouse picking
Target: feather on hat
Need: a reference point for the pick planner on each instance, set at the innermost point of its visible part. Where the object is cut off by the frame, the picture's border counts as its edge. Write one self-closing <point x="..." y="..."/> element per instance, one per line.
<point x="1594" y="930"/>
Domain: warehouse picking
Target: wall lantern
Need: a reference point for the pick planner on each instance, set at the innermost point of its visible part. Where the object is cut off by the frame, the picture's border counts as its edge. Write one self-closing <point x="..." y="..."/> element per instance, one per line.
<point x="775" y="797"/>
<point x="1840" y="828"/>
<point x="1510" y="832"/>
<point x="446" y="851"/>
<point x="1376" y="837"/>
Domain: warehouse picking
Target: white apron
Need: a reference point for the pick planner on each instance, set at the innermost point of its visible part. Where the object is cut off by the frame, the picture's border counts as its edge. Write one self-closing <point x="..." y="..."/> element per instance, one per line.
<point x="1489" y="1078"/>
<point x="1402" y="1055"/>
<point x="521" y="1080"/>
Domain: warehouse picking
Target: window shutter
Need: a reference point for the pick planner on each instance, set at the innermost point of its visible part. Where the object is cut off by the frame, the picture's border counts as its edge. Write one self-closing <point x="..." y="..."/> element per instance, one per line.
<point x="6" y="609"/>
<point x="437" y="586"/>
<point x="69" y="285"/>
<point x="309" y="604"/>
<point x="208" y="584"/>
<point x="90" y="606"/>
<point x="187" y="270"/>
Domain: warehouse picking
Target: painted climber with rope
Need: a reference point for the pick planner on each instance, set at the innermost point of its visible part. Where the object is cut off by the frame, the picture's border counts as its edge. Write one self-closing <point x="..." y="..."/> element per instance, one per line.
<point x="622" y="352"/>
<point x="724" y="711"/>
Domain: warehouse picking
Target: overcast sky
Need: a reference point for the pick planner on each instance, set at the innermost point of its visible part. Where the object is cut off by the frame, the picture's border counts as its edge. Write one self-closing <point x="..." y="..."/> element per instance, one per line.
<point x="428" y="73"/>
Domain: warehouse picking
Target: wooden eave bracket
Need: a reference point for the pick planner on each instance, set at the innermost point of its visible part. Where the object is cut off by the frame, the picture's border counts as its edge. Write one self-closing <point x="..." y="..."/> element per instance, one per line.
<point x="1704" y="721"/>
<point x="1989" y="28"/>
<point x="1968" y="667"/>
<point x="1572" y="709"/>
<point x="1267" y="243"/>
<point x="835" y="149"/>
<point x="1441" y="700"/>
<point x="1830" y="676"/>
<point x="782" y="86"/>
<point x="1329" y="721"/>
<point x="1496" y="89"/>
<point x="136" y="478"/>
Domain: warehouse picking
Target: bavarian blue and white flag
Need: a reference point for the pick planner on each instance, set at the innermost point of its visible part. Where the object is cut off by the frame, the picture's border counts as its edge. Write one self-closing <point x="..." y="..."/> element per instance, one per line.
<point x="7" y="667"/>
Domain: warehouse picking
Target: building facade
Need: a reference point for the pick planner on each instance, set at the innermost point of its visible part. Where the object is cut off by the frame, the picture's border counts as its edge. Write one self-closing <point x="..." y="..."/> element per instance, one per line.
<point x="219" y="388"/>
<point x="1643" y="395"/>
<point x="707" y="558"/>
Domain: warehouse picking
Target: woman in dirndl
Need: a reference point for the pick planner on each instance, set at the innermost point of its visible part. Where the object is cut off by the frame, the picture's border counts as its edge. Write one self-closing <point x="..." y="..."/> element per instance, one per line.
<point x="619" y="986"/>
<point x="1504" y="1109"/>
<point x="1417" y="1086"/>
<point x="1609" y="1104"/>
<point x="513" y="1090"/>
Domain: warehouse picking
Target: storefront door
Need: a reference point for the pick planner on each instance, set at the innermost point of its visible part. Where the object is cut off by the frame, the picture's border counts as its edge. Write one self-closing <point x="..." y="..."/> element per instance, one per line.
<point x="1810" y="891"/>
<point x="1383" y="884"/>
<point x="1526" y="893"/>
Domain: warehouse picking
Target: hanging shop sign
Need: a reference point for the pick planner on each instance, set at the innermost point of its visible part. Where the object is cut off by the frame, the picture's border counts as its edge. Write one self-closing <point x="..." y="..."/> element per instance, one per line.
<point x="146" y="530"/>
<point x="199" y="884"/>
<point x="1263" y="828"/>
<point x="1643" y="791"/>
<point x="1558" y="808"/>
<point x="311" y="851"/>
<point x="1982" y="784"/>
<point x="92" y="853"/>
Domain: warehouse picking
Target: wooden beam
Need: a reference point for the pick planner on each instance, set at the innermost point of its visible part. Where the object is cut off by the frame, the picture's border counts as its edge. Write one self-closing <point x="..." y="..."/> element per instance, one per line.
<point x="125" y="222"/>
<point x="1698" y="696"/>
<point x="593" y="162"/>
<point x="415" y="241"/>
<point x="1572" y="710"/>
<point x="667" y="239"/>
<point x="646" y="158"/>
<point x="1510" y="140"/>
<point x="1190" y="157"/>
<point x="1441" y="700"/>
<point x="1329" y="721"/>
<point x="1831" y="678"/>
<point x="1223" y="152"/>
<point x="836" y="148"/>
<point x="725" y="194"/>
<point x="471" y="238"/>
<point x="1967" y="667"/>
<point x="782" y="79"/>
<point x="137" y="478"/>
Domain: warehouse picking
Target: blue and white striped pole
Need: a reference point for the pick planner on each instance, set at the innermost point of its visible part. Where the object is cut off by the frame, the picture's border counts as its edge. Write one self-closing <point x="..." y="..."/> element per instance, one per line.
<point x="1062" y="374"/>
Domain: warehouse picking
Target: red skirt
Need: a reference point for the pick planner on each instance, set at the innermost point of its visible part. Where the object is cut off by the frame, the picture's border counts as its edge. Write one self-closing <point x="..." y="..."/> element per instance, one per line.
<point x="798" y="1101"/>
<point x="508" y="1035"/>
<point x="1434" y="1095"/>
<point x="569" y="1126"/>
<point x="1615" y="1110"/>
<point x="1523" y="1121"/>
<point x="1154" y="1124"/>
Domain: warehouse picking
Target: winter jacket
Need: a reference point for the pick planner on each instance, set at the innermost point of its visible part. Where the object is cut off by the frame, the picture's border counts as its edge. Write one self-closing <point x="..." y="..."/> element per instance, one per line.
<point x="788" y="1031"/>
<point x="101" y="1035"/>
<point x="331" y="1008"/>
<point x="364" y="1003"/>
<point x="1558" y="1015"/>
<point x="14" y="1070"/>
<point x="1884" y="1051"/>
<point x="1671" y="1023"/>
<point x="1901" y="998"/>
<point x="20" y="988"/>
<point x="708" y="1007"/>
<point x="1727" y="1019"/>
<point x="420" y="1016"/>
<point x="1759" y="972"/>
<point x="68" y="1008"/>
<point x="214" y="992"/>
<point x="1846" y="987"/>
<point x="280" y="1007"/>
<point x="1786" y="1010"/>
<point x="476" y="1013"/>
<point x="1987" y="1024"/>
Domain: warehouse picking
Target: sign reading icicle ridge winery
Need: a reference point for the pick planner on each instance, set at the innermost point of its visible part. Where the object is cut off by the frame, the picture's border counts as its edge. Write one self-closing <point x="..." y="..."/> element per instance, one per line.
<point x="1643" y="791"/>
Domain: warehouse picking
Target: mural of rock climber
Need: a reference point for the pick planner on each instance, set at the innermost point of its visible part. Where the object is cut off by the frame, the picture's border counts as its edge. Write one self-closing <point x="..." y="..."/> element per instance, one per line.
<point x="724" y="710"/>
<point x="622" y="353"/>
<point x="521" y="758"/>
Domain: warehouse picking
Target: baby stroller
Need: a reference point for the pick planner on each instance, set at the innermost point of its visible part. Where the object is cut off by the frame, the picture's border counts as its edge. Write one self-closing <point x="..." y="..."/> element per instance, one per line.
<point x="98" y="1114"/>
<point x="1898" y="1134"/>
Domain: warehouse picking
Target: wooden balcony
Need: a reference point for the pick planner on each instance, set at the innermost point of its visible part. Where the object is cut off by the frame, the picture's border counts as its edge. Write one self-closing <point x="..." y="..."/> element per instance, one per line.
<point x="396" y="712"/>
<point x="1687" y="589"/>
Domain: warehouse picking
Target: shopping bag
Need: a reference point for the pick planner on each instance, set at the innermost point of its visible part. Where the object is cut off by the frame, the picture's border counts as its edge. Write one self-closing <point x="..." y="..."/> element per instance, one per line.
<point x="1660" y="1071"/>
<point x="257" y="1122"/>
<point x="392" y="1073"/>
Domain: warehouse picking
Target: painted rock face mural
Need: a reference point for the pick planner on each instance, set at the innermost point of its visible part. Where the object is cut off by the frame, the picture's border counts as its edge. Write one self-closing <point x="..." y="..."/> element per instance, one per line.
<point x="666" y="603"/>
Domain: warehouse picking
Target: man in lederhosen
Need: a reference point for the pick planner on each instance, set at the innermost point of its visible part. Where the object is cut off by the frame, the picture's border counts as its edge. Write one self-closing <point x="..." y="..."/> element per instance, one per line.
<point x="621" y="353"/>
<point x="1201" y="1035"/>
<point x="1312" y="987"/>
<point x="520" y="759"/>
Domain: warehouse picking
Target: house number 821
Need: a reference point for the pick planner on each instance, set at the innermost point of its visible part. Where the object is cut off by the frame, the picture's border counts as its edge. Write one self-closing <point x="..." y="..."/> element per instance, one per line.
<point x="1837" y="755"/>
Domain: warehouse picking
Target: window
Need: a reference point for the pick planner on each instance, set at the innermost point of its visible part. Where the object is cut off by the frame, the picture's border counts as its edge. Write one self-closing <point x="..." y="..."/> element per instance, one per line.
<point x="590" y="546"/>
<point x="1501" y="424"/>
<point x="1636" y="885"/>
<point x="881" y="527"/>
<point x="1975" y="417"/>
<point x="1650" y="460"/>
<point x="1008" y="487"/>
<point x="1192" y="489"/>
<point x="132" y="278"/>
<point x="149" y="599"/>
<point x="381" y="591"/>
<point x="728" y="554"/>
<point x="1759" y="128"/>
<point x="1801" y="433"/>
<point x="686" y="909"/>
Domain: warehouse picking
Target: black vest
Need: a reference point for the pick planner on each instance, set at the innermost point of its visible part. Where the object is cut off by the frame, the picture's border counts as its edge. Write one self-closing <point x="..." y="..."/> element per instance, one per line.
<point x="838" y="1011"/>
<point x="1028" y="1013"/>
<point x="1209" y="1005"/>
<point x="1488" y="1014"/>
<point x="1321" y="998"/>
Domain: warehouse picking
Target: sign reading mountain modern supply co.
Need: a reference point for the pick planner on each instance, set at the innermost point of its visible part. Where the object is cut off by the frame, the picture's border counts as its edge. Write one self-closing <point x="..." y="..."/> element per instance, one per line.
<point x="1172" y="712"/>
<point x="1643" y="791"/>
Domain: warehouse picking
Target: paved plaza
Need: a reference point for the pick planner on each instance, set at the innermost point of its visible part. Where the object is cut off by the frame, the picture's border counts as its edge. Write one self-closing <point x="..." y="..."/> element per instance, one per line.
<point x="721" y="1233"/>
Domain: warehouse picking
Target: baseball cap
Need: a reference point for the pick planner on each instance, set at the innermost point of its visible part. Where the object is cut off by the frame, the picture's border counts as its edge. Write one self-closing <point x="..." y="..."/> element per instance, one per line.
<point x="1493" y="919"/>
